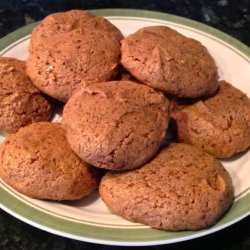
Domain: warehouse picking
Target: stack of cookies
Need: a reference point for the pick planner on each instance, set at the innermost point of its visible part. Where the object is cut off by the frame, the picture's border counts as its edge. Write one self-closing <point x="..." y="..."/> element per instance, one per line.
<point x="120" y="96"/>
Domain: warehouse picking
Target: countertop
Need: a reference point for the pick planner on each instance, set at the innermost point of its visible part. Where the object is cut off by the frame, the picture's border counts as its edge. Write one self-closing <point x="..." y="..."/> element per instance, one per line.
<point x="232" y="17"/>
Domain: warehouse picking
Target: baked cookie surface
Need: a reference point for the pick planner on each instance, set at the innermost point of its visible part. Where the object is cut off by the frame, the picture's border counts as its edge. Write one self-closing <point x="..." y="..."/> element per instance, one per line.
<point x="219" y="125"/>
<point x="64" y="64"/>
<point x="64" y="22"/>
<point x="182" y="188"/>
<point x="21" y="103"/>
<point x="116" y="125"/>
<point x="71" y="50"/>
<point x="38" y="162"/>
<point x="168" y="61"/>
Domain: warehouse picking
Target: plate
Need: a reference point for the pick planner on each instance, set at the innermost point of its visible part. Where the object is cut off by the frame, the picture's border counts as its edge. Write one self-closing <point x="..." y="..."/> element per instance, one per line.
<point x="89" y="219"/>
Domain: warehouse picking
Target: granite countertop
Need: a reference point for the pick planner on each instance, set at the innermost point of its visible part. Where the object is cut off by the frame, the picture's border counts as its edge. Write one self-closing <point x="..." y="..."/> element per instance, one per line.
<point x="232" y="17"/>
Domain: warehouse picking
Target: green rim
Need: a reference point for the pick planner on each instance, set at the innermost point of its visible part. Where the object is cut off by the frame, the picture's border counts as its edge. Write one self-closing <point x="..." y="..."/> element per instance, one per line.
<point x="116" y="236"/>
<point x="121" y="236"/>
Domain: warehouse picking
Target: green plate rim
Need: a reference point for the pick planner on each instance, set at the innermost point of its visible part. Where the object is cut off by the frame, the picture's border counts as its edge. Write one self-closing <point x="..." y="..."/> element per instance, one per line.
<point x="121" y="236"/>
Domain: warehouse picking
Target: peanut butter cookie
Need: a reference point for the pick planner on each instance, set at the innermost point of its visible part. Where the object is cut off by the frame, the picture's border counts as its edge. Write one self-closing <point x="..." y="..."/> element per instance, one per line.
<point x="38" y="162"/>
<point x="182" y="188"/>
<point x="116" y="125"/>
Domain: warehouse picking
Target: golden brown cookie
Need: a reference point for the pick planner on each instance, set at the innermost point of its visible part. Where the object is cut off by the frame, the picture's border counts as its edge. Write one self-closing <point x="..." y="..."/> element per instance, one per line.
<point x="182" y="188"/>
<point x="21" y="103"/>
<point x="168" y="61"/>
<point x="64" y="22"/>
<point x="68" y="61"/>
<point x="38" y="162"/>
<point x="220" y="125"/>
<point x="73" y="49"/>
<point x="116" y="125"/>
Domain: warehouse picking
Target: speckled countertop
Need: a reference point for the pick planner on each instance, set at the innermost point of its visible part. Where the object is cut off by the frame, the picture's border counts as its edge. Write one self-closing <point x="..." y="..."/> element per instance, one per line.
<point x="232" y="17"/>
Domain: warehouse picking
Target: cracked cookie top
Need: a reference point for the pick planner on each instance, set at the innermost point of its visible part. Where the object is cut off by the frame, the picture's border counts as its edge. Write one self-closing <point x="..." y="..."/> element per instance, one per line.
<point x="69" y="61"/>
<point x="116" y="125"/>
<point x="64" y="22"/>
<point x="182" y="188"/>
<point x="38" y="162"/>
<point x="21" y="103"/>
<point x="73" y="49"/>
<point x="168" y="61"/>
<point x="219" y="125"/>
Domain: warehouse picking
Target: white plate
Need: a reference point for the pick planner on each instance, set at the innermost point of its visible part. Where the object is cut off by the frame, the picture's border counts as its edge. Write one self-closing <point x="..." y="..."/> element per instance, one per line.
<point x="89" y="219"/>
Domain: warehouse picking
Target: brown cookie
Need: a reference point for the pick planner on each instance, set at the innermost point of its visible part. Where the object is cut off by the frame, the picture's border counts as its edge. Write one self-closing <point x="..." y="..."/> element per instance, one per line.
<point x="64" y="59"/>
<point x="168" y="61"/>
<point x="116" y="125"/>
<point x="64" y="22"/>
<point x="38" y="162"/>
<point x="220" y="124"/>
<point x="182" y="188"/>
<point x="21" y="103"/>
<point x="71" y="60"/>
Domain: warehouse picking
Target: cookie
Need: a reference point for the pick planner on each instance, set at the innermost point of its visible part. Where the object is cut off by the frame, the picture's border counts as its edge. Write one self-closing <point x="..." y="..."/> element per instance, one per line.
<point x="168" y="61"/>
<point x="182" y="188"/>
<point x="21" y="103"/>
<point x="116" y="125"/>
<point x="64" y="22"/>
<point x="71" y="60"/>
<point x="220" y="125"/>
<point x="38" y="162"/>
<point x="64" y="59"/>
